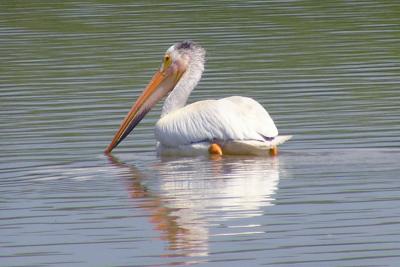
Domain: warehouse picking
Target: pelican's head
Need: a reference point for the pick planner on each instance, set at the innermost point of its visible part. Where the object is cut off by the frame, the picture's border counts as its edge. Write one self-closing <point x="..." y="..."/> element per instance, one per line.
<point x="180" y="60"/>
<point x="186" y="52"/>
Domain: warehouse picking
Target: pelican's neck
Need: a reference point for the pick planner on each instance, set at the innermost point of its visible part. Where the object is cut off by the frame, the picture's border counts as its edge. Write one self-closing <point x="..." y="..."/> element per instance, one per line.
<point x="179" y="95"/>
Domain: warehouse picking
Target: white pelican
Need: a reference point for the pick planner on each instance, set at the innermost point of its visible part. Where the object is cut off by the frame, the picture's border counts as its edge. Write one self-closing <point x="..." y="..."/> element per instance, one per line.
<point x="232" y="125"/>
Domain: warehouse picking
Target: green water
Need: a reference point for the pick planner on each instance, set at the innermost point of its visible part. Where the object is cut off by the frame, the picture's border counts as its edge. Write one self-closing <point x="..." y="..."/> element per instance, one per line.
<point x="327" y="71"/>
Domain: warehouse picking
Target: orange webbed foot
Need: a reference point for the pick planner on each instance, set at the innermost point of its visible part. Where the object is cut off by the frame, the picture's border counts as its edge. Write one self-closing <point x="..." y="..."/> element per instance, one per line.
<point x="215" y="149"/>
<point x="273" y="151"/>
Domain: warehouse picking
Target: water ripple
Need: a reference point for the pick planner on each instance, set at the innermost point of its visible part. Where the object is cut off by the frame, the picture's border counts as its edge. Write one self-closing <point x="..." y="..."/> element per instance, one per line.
<point x="328" y="72"/>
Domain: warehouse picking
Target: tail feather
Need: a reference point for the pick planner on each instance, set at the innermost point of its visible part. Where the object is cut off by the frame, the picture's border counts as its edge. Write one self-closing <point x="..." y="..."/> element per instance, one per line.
<point x="280" y="139"/>
<point x="253" y="147"/>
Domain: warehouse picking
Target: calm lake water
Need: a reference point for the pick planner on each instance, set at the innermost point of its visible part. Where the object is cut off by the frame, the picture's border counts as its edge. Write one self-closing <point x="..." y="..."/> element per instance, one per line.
<point x="327" y="71"/>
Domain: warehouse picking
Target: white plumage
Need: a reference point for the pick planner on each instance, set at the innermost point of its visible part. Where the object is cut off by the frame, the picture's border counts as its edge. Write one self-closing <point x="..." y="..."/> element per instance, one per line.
<point x="232" y="118"/>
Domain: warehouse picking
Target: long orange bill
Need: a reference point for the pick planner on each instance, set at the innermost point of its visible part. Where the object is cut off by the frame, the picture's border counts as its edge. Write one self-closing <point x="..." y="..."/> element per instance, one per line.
<point x="160" y="85"/>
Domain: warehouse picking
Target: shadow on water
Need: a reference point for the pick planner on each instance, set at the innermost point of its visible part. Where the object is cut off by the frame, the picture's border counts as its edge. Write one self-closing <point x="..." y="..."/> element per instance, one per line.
<point x="195" y="193"/>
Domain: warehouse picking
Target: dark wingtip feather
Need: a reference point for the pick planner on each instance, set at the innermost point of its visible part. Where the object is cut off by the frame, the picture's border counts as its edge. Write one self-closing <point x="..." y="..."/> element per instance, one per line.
<point x="266" y="138"/>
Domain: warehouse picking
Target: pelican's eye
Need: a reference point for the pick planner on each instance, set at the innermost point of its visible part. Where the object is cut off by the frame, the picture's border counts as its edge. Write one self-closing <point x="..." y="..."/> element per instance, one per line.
<point x="167" y="60"/>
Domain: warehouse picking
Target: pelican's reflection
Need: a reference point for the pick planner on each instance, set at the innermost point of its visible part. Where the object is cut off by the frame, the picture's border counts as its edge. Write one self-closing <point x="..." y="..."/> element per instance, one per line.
<point x="194" y="194"/>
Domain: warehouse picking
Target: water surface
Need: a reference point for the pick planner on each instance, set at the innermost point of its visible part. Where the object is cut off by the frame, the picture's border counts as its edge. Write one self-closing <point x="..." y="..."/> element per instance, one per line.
<point x="328" y="73"/>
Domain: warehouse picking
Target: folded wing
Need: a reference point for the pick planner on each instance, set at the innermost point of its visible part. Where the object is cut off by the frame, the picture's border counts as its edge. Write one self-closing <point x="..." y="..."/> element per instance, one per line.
<point x="233" y="118"/>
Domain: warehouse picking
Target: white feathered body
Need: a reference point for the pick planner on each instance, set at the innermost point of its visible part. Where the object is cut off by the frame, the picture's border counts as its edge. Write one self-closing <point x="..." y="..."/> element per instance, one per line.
<point x="239" y="124"/>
